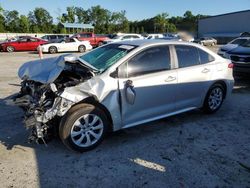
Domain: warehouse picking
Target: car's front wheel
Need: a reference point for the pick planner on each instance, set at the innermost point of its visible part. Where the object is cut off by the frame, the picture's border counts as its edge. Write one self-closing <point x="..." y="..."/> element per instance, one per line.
<point x="100" y="43"/>
<point x="83" y="127"/>
<point x="52" y="50"/>
<point x="214" y="98"/>
<point x="81" y="49"/>
<point x="10" y="49"/>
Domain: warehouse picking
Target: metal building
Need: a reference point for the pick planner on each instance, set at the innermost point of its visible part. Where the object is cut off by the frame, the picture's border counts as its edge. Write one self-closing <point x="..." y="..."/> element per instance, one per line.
<point x="75" y="27"/>
<point x="225" y="27"/>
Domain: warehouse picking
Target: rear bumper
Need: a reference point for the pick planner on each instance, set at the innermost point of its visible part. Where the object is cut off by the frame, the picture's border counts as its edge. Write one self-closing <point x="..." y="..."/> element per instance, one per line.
<point x="241" y="68"/>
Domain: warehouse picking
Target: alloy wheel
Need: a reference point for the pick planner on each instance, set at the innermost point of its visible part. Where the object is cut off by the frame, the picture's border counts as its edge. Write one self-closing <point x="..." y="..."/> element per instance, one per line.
<point x="87" y="130"/>
<point x="215" y="98"/>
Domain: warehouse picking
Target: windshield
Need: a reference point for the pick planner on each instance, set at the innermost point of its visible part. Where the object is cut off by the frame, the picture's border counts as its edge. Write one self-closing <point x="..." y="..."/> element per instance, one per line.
<point x="104" y="57"/>
<point x="246" y="44"/>
<point x="117" y="37"/>
<point x="239" y="41"/>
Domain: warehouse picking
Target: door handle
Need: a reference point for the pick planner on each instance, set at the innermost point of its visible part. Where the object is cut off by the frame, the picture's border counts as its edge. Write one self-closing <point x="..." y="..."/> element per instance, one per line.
<point x="170" y="78"/>
<point x="205" y="70"/>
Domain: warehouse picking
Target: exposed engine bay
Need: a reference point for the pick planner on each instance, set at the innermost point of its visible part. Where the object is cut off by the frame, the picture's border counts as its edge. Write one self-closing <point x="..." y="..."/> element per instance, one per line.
<point x="41" y="101"/>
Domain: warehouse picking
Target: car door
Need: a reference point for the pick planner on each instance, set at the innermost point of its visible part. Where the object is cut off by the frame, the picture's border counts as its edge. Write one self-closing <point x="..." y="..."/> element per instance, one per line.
<point x="69" y="45"/>
<point x="194" y="75"/>
<point x="126" y="37"/>
<point x="147" y="86"/>
<point x="22" y="44"/>
<point x="32" y="43"/>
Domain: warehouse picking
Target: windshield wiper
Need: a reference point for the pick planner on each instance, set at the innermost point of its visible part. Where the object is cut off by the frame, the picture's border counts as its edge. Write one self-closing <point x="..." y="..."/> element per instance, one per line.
<point x="86" y="64"/>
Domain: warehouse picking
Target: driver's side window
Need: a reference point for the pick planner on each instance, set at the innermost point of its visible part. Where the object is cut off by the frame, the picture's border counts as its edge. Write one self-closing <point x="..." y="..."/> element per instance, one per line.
<point x="150" y="60"/>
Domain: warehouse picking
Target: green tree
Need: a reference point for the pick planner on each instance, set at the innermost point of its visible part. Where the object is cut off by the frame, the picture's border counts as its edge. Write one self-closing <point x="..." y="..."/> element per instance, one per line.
<point x="40" y="21"/>
<point x="12" y="21"/>
<point x="71" y="14"/>
<point x="160" y="22"/>
<point x="132" y="29"/>
<point x="142" y="30"/>
<point x="99" y="17"/>
<point x="2" y="20"/>
<point x="137" y="30"/>
<point x="82" y="15"/>
<point x="24" y="24"/>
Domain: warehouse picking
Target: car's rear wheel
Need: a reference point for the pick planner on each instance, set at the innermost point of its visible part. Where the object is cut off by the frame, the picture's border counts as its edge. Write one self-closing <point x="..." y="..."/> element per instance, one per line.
<point x="10" y="49"/>
<point x="52" y="50"/>
<point x="81" y="48"/>
<point x="83" y="127"/>
<point x="100" y="44"/>
<point x="214" y="98"/>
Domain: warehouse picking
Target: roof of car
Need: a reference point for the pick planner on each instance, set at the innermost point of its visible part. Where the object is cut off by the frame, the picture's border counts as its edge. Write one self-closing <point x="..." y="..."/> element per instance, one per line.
<point x="145" y="42"/>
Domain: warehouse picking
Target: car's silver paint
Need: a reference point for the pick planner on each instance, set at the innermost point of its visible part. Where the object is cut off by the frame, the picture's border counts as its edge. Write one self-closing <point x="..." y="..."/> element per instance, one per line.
<point x="159" y="94"/>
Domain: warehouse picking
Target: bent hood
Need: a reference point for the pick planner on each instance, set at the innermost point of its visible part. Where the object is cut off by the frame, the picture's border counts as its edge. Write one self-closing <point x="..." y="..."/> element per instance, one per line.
<point x="240" y="50"/>
<point x="229" y="47"/>
<point x="46" y="71"/>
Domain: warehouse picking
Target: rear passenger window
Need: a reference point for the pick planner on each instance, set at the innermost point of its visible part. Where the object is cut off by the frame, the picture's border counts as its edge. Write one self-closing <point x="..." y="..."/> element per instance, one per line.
<point x="187" y="56"/>
<point x="205" y="57"/>
<point x="52" y="36"/>
<point x="190" y="56"/>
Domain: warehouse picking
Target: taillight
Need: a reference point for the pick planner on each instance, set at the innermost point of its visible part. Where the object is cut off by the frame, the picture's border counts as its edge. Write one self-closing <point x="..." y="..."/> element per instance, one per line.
<point x="230" y="65"/>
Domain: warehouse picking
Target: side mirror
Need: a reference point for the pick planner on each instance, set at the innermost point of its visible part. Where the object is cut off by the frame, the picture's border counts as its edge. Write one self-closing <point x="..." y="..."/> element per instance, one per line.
<point x="130" y="92"/>
<point x="114" y="74"/>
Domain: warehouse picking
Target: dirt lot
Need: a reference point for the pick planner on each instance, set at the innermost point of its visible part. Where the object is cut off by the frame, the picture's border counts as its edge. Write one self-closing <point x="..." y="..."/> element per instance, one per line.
<point x="188" y="150"/>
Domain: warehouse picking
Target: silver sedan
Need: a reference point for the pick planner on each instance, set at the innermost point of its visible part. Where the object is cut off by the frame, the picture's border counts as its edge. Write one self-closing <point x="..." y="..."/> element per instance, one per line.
<point x="120" y="85"/>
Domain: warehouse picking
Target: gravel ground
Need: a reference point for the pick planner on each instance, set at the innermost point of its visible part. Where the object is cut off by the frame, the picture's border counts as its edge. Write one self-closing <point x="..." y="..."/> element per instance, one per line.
<point x="188" y="150"/>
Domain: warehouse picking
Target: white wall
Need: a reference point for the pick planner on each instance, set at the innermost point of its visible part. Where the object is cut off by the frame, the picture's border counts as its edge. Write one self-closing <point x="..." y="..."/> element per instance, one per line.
<point x="4" y="36"/>
<point x="228" y="23"/>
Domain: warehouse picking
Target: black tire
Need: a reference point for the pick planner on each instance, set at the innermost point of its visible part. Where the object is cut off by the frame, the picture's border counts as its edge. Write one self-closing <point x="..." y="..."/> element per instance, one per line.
<point x="10" y="49"/>
<point x="208" y="106"/>
<point x="81" y="48"/>
<point x="75" y="114"/>
<point x="52" y="50"/>
<point x="100" y="43"/>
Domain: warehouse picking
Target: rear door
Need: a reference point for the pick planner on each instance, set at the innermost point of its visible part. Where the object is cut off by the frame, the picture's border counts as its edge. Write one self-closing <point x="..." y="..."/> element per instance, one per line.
<point x="69" y="45"/>
<point x="22" y="44"/>
<point x="194" y="71"/>
<point x="149" y="80"/>
<point x="32" y="43"/>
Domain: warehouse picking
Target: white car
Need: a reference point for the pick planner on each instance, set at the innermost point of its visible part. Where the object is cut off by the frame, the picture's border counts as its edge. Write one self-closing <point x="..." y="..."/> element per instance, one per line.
<point x="124" y="37"/>
<point x="154" y="36"/>
<point x="231" y="45"/>
<point x="66" y="45"/>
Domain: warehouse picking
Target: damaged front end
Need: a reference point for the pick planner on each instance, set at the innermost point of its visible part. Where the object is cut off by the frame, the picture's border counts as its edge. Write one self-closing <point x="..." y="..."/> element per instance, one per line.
<point x="42" y="92"/>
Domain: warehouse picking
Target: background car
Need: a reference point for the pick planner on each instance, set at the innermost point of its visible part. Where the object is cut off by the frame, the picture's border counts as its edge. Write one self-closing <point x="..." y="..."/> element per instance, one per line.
<point x="123" y="37"/>
<point x="206" y="41"/>
<point x="54" y="38"/>
<point x="66" y="45"/>
<point x="24" y="43"/>
<point x="121" y="85"/>
<point x="154" y="36"/>
<point x="240" y="56"/>
<point x="231" y="45"/>
<point x="95" y="40"/>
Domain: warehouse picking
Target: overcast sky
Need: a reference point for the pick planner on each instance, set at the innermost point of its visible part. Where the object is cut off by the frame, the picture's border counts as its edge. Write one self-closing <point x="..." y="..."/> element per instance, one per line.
<point x="136" y="9"/>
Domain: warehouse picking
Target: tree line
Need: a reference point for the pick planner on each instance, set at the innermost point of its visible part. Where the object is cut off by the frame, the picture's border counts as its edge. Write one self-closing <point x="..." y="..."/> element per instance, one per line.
<point x="40" y="21"/>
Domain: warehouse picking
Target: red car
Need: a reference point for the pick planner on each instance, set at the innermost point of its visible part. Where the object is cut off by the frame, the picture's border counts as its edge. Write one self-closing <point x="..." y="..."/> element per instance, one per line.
<point x="92" y="38"/>
<point x="22" y="44"/>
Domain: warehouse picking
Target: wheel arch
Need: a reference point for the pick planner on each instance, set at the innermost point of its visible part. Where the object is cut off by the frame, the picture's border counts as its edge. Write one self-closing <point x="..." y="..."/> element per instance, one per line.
<point x="224" y="85"/>
<point x="14" y="49"/>
<point x="92" y="100"/>
<point x="53" y="47"/>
